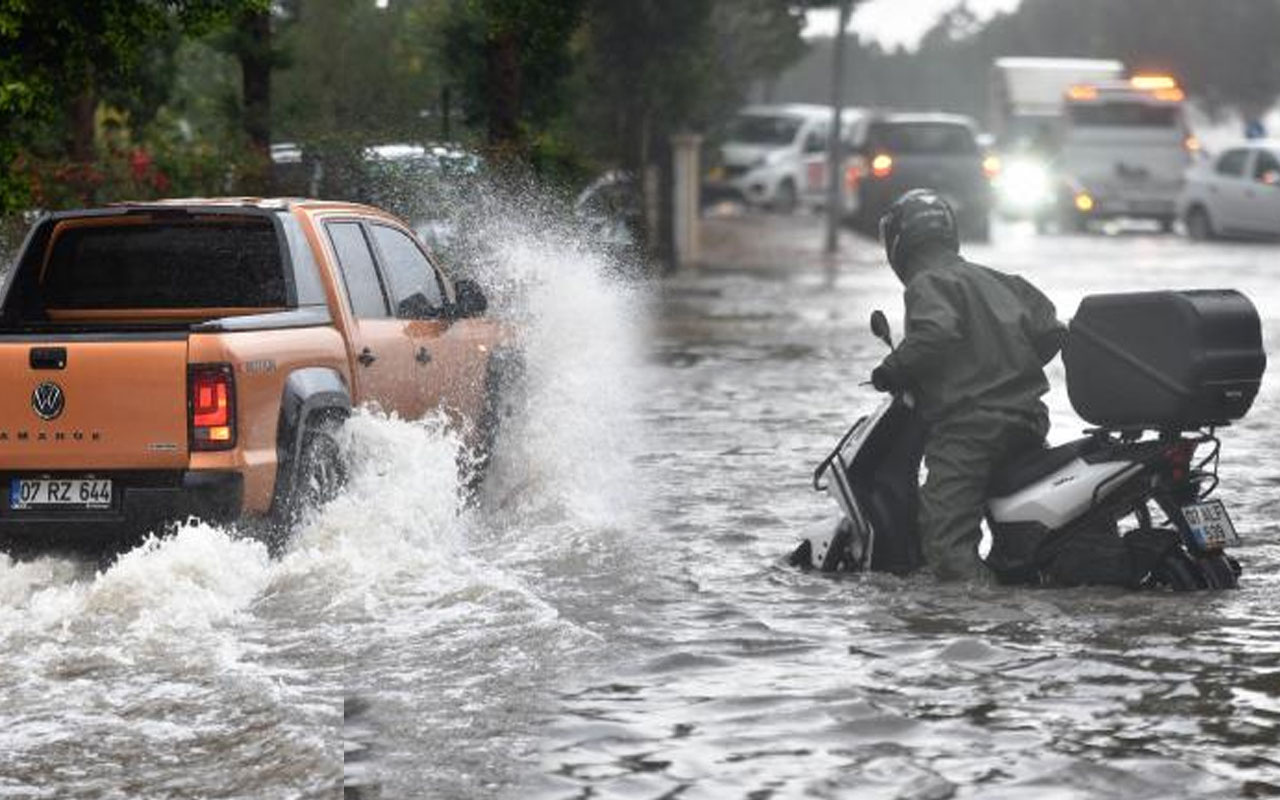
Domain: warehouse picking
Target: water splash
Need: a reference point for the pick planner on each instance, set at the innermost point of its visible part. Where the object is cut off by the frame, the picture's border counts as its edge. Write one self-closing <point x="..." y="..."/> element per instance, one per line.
<point x="400" y="587"/>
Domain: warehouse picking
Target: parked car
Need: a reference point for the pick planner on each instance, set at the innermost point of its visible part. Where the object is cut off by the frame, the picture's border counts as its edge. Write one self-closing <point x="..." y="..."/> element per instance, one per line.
<point x="896" y="152"/>
<point x="196" y="357"/>
<point x="813" y="186"/>
<point x="1235" y="194"/>
<point x="761" y="157"/>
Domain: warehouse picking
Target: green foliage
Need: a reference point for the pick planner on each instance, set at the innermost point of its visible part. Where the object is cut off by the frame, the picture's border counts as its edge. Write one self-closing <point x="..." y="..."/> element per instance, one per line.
<point x="53" y="52"/>
<point x="111" y="99"/>
<point x="509" y="59"/>
<point x="359" y="73"/>
<point x="654" y="67"/>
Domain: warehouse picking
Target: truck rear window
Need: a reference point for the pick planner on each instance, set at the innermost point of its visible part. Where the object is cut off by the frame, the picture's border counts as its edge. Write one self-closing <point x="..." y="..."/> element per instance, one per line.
<point x="221" y="263"/>
<point x="1124" y="115"/>
<point x="922" y="138"/>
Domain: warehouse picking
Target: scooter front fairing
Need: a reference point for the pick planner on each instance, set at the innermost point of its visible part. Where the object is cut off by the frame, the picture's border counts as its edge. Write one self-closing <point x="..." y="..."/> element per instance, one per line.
<point x="873" y="475"/>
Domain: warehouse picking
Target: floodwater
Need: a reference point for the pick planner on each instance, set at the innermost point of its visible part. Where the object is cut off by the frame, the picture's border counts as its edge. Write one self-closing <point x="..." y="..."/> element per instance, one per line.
<point x="614" y="619"/>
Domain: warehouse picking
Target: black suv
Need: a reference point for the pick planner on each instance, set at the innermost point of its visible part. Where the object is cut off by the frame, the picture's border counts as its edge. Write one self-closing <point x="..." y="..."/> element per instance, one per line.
<point x="896" y="152"/>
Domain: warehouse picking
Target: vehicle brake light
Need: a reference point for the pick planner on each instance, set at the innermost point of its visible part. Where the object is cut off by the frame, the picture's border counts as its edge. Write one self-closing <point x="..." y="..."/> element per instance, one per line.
<point x="1178" y="456"/>
<point x="991" y="167"/>
<point x="1153" y="82"/>
<point x="882" y="165"/>
<point x="212" y="406"/>
<point x="1173" y="95"/>
<point x="853" y="173"/>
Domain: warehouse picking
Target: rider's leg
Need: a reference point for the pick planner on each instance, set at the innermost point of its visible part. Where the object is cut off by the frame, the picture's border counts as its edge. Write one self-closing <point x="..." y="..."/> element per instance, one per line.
<point x="960" y="457"/>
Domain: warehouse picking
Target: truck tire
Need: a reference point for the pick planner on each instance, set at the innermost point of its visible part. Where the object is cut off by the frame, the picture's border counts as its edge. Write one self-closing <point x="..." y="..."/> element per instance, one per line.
<point x="319" y="475"/>
<point x="503" y="392"/>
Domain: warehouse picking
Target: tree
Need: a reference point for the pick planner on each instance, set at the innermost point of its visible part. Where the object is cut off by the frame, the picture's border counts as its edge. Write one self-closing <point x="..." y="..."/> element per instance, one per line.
<point x="651" y="68"/>
<point x="510" y="58"/>
<point x="59" y="57"/>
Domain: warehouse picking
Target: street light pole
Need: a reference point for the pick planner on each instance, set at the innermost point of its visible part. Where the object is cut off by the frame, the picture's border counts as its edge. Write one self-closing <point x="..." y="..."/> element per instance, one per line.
<point x="835" y="148"/>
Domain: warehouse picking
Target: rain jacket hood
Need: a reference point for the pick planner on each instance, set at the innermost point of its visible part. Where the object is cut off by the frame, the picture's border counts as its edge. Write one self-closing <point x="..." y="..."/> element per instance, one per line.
<point x="929" y="256"/>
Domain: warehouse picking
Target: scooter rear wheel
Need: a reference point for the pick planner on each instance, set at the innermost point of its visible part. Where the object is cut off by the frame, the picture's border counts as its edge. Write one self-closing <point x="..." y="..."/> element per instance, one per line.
<point x="1218" y="572"/>
<point x="1181" y="573"/>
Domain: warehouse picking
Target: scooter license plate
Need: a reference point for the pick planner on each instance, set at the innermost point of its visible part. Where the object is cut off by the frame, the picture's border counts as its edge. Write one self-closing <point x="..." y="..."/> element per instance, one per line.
<point x="1210" y="525"/>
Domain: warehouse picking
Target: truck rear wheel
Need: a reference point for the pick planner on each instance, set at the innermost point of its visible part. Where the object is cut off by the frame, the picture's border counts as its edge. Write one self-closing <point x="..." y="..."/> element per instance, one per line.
<point x="319" y="475"/>
<point x="503" y="392"/>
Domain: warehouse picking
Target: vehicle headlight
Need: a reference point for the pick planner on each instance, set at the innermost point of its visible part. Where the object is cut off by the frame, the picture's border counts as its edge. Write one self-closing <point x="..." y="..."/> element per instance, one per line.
<point x="1025" y="183"/>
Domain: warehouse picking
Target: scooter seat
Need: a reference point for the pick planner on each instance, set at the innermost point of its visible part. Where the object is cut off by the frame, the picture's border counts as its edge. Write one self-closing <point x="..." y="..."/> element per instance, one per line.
<point x="1024" y="470"/>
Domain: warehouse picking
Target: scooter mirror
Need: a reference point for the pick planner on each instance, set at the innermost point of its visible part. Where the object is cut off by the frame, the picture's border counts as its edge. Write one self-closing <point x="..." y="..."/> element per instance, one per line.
<point x="880" y="327"/>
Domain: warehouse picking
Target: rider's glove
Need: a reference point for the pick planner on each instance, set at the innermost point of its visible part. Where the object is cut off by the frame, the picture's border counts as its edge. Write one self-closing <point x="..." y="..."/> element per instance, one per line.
<point x="883" y="379"/>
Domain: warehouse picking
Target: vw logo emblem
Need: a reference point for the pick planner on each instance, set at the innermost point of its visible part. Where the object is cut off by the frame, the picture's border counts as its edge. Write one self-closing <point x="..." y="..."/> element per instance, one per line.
<point x="48" y="400"/>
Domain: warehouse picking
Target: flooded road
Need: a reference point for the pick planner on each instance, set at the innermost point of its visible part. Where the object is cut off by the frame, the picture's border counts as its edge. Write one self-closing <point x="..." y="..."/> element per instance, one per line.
<point x="613" y="618"/>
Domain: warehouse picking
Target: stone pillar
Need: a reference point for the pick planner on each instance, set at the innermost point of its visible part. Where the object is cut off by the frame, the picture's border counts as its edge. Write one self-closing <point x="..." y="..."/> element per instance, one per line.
<point x="686" y="200"/>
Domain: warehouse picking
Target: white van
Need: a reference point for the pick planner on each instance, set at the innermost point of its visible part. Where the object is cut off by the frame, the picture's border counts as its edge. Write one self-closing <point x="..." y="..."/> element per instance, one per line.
<point x="1124" y="150"/>
<point x="761" y="160"/>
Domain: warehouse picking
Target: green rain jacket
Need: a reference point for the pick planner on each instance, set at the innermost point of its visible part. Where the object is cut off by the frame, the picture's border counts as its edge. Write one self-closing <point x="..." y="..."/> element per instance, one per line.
<point x="976" y="340"/>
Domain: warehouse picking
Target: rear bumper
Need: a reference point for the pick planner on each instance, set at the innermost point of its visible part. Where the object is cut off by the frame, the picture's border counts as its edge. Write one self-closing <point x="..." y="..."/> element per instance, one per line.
<point x="142" y="502"/>
<point x="875" y="196"/>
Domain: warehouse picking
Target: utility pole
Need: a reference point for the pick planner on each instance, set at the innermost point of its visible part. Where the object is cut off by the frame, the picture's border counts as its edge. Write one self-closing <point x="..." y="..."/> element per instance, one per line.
<point x="835" y="147"/>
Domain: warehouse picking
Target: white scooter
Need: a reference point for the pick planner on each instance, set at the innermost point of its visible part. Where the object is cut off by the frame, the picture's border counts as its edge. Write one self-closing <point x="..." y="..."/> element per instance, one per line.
<point x="1081" y="513"/>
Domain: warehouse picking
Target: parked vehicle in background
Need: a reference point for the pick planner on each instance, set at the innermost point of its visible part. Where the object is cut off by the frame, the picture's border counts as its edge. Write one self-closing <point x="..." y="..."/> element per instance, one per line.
<point x="1026" y="117"/>
<point x="813" y="192"/>
<point x="1237" y="193"/>
<point x="1125" y="147"/>
<point x="195" y="357"/>
<point x="762" y="155"/>
<point x="896" y="152"/>
<point x="1026" y="95"/>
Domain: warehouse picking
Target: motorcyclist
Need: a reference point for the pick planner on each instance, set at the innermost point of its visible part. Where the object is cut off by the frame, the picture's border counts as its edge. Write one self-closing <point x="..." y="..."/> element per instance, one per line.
<point x="973" y="356"/>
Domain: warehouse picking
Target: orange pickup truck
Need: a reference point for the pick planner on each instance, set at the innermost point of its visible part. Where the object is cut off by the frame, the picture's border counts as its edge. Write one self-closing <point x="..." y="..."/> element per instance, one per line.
<point x="195" y="357"/>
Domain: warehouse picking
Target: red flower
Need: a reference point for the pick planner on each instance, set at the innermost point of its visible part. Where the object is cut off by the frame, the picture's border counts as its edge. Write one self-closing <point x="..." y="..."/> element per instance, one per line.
<point x="140" y="163"/>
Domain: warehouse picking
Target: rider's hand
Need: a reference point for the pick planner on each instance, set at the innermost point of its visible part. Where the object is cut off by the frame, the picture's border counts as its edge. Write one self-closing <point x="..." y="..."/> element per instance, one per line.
<point x="883" y="380"/>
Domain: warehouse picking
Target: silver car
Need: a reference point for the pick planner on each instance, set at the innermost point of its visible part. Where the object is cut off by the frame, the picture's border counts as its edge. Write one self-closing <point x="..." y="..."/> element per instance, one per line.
<point x="1236" y="193"/>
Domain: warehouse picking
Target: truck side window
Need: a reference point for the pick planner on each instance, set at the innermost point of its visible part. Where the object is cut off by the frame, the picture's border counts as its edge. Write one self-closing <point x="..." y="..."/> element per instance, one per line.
<point x="1231" y="163"/>
<point x="364" y="291"/>
<point x="409" y="273"/>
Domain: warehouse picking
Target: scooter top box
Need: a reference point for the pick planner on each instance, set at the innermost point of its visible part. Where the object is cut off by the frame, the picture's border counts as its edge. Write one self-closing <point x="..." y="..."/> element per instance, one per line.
<point x="1169" y="360"/>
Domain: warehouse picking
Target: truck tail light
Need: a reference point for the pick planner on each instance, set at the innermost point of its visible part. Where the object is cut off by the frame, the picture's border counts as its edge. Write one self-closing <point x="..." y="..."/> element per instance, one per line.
<point x="882" y="166"/>
<point x="991" y="167"/>
<point x="211" y="405"/>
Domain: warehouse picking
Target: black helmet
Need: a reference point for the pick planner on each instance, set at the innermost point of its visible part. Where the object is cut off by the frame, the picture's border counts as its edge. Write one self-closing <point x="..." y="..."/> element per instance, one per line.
<point x="917" y="218"/>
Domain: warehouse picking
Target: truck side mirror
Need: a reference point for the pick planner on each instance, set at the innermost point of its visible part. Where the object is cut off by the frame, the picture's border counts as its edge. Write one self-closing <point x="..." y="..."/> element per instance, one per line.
<point x="880" y="327"/>
<point x="417" y="306"/>
<point x="469" y="299"/>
